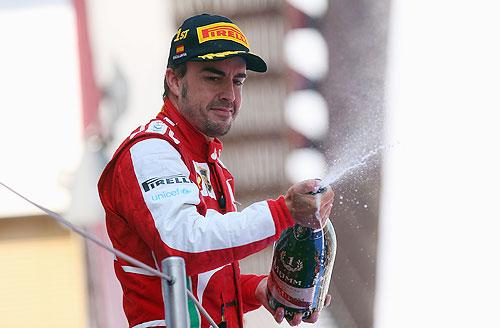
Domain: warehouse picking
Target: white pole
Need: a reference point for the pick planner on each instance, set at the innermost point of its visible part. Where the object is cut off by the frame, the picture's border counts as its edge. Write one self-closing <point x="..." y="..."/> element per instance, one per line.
<point x="175" y="292"/>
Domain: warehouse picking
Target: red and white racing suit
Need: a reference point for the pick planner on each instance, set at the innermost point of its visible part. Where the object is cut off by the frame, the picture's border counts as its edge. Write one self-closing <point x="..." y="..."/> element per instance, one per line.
<point x="166" y="193"/>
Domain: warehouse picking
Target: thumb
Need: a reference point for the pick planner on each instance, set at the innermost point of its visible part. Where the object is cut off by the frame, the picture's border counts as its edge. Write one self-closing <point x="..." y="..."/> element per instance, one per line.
<point x="308" y="186"/>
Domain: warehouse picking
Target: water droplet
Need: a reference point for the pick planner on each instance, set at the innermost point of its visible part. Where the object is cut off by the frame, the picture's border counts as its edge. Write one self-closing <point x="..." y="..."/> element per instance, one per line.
<point x="341" y="203"/>
<point x="365" y="206"/>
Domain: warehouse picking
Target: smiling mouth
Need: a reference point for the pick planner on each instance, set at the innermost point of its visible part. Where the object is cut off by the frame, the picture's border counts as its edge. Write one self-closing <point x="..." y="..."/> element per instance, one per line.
<point x="222" y="111"/>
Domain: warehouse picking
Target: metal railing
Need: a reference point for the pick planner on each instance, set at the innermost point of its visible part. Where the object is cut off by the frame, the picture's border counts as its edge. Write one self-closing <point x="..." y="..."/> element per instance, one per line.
<point x="173" y="277"/>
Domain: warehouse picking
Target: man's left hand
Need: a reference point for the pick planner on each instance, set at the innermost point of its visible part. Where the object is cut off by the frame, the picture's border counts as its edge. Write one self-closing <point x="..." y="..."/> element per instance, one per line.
<point x="279" y="313"/>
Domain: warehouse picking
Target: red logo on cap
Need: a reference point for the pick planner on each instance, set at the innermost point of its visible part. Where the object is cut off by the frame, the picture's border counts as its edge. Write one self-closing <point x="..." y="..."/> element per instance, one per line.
<point x="221" y="31"/>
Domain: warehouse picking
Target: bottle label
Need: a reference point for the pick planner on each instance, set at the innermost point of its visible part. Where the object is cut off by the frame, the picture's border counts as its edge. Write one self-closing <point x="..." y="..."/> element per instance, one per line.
<point x="289" y="296"/>
<point x="301" y="269"/>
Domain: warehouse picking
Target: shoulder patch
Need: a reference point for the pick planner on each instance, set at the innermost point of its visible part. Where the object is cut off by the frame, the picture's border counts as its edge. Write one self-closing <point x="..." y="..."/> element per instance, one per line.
<point x="157" y="127"/>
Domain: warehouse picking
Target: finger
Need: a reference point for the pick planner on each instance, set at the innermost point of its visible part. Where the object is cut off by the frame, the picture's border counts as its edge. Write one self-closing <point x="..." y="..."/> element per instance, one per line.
<point x="279" y="315"/>
<point x="327" y="200"/>
<point x="268" y="307"/>
<point x="313" y="317"/>
<point x="319" y="222"/>
<point x="273" y="312"/>
<point x="326" y="215"/>
<point x="328" y="196"/>
<point x="296" y="319"/>
<point x="325" y="207"/>
<point x="325" y="212"/>
<point x="328" y="300"/>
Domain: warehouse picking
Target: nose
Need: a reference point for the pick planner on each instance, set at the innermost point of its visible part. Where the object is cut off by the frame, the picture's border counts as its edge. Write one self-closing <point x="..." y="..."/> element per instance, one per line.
<point x="228" y="92"/>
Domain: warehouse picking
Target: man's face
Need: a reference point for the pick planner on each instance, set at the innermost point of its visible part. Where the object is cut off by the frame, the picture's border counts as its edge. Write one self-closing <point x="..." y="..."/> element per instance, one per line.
<point x="210" y="96"/>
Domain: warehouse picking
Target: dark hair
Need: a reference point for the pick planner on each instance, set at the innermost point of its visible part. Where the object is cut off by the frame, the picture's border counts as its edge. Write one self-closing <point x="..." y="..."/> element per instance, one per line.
<point x="179" y="70"/>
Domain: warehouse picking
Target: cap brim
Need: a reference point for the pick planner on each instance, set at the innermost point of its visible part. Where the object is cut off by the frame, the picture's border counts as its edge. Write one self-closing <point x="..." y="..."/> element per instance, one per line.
<point x="254" y="62"/>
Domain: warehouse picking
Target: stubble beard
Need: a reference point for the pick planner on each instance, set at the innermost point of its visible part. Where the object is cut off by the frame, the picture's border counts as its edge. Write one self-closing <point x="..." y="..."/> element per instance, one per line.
<point x="205" y="126"/>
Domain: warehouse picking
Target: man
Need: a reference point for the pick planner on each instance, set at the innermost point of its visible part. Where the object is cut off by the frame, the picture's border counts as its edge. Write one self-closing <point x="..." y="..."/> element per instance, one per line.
<point x="166" y="192"/>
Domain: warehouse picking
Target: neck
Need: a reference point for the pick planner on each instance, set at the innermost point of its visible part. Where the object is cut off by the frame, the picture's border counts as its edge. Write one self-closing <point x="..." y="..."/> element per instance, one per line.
<point x="175" y="103"/>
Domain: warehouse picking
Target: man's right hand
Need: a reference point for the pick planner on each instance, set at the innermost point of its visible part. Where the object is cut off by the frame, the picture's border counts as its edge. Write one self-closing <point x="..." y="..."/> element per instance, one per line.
<point x="303" y="205"/>
<point x="261" y="295"/>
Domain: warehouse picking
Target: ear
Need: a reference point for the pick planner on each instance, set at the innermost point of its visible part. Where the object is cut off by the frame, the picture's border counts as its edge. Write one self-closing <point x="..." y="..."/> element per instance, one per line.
<point x="173" y="82"/>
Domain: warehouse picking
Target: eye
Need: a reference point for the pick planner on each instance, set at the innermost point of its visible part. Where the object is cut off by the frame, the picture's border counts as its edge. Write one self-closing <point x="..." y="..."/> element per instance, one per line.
<point x="238" y="82"/>
<point x="212" y="78"/>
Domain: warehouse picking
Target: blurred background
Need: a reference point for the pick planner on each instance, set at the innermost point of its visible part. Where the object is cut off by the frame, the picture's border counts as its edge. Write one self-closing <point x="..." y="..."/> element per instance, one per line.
<point x="394" y="102"/>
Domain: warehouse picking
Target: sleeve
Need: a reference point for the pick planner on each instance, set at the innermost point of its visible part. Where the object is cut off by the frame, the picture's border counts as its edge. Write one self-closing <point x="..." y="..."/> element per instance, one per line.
<point x="249" y="283"/>
<point x="159" y="202"/>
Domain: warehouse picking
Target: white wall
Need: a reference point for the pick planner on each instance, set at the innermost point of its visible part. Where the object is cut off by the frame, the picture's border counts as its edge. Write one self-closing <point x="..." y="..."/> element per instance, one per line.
<point x="40" y="134"/>
<point x="135" y="38"/>
<point x="440" y="220"/>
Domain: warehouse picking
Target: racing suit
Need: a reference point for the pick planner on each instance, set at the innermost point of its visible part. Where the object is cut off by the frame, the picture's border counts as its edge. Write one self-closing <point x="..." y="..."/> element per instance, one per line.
<point x="166" y="193"/>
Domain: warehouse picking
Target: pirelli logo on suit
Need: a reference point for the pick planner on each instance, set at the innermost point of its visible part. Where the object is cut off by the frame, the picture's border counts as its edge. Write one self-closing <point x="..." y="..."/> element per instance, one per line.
<point x="152" y="183"/>
<point x="221" y="31"/>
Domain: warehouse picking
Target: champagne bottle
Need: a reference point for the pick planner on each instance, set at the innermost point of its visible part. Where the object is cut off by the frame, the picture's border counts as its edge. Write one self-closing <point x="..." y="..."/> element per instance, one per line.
<point x="301" y="269"/>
